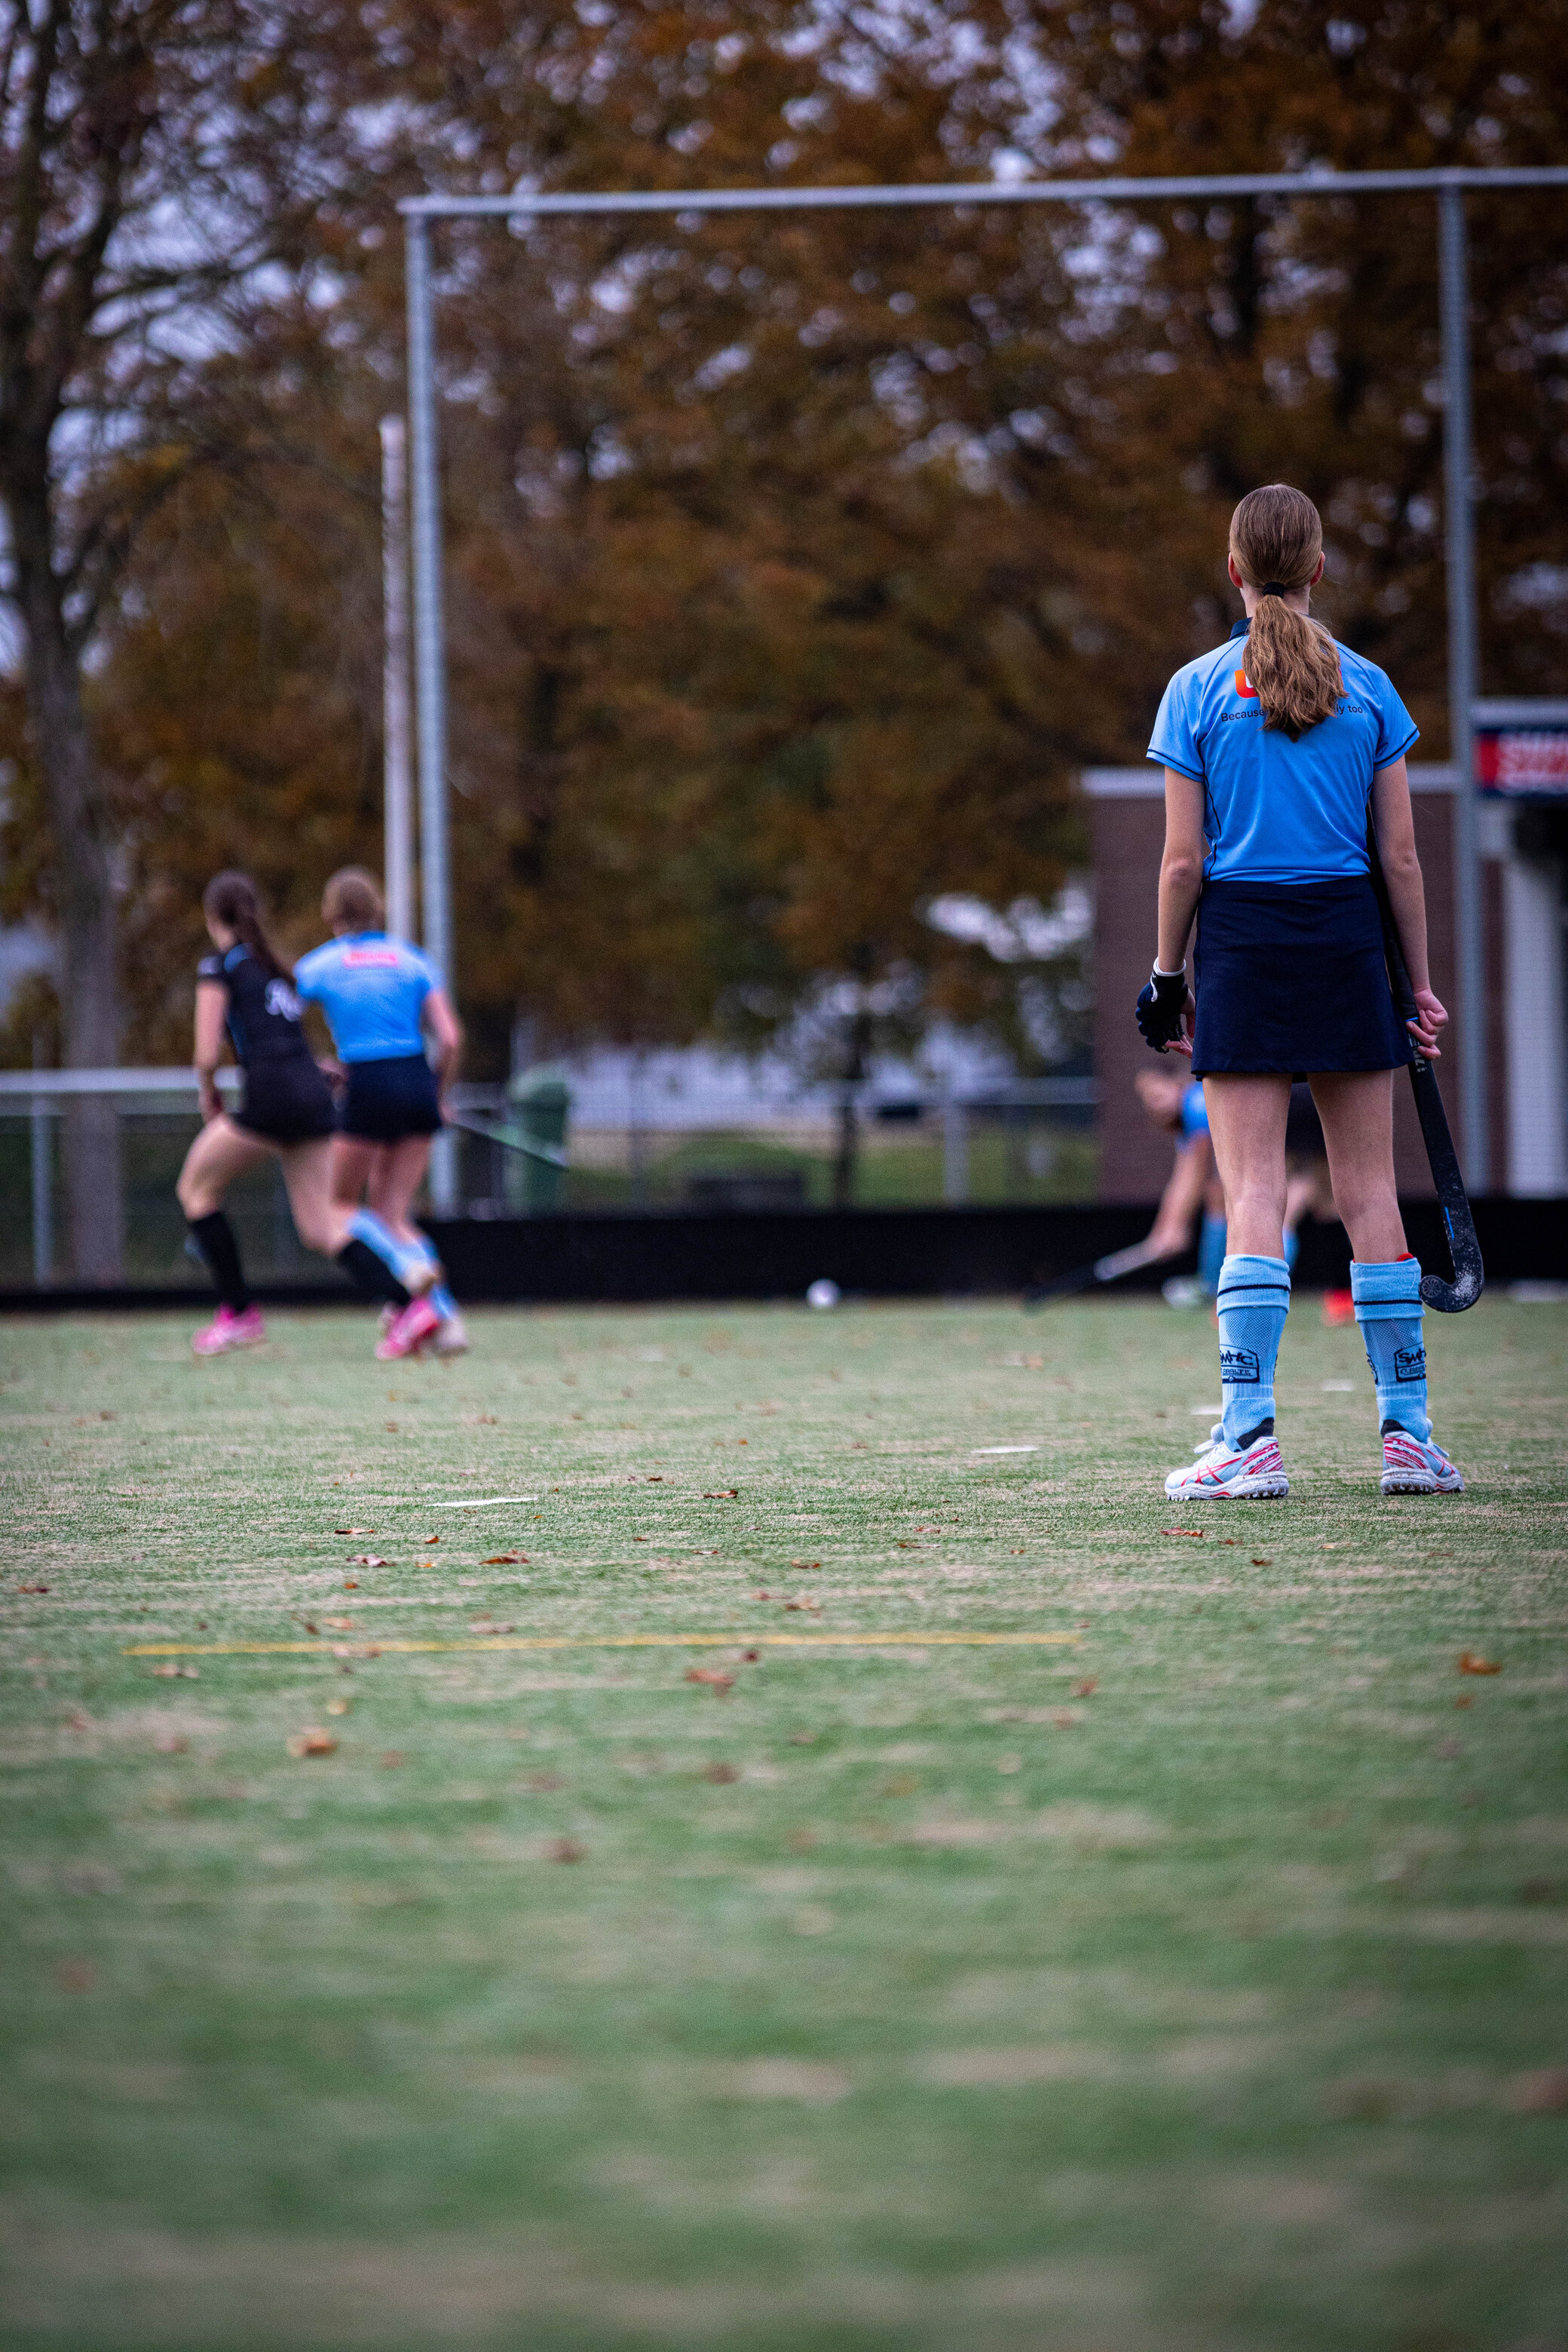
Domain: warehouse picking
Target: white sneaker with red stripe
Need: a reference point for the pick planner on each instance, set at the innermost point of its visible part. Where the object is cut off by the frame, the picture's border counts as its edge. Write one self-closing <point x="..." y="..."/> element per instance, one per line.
<point x="1413" y="1466"/>
<point x="1254" y="1474"/>
<point x="409" y="1332"/>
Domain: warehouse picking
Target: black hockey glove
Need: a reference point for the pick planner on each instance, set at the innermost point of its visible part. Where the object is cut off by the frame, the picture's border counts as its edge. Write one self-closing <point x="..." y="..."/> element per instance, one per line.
<point x="1161" y="1008"/>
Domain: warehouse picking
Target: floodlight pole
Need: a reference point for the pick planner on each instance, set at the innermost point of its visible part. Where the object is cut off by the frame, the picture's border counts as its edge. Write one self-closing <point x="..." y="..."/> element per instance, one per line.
<point x="1458" y="520"/>
<point x="397" y="762"/>
<point x="430" y="661"/>
<point x="1459" y="493"/>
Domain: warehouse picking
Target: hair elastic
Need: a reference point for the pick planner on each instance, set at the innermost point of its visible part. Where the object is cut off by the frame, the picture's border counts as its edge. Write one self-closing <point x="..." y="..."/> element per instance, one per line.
<point x="1273" y="588"/>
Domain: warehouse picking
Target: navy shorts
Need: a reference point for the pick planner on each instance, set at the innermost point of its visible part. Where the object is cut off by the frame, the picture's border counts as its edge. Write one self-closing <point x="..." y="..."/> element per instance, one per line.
<point x="286" y="1101"/>
<point x="1289" y="978"/>
<point x="387" y="1100"/>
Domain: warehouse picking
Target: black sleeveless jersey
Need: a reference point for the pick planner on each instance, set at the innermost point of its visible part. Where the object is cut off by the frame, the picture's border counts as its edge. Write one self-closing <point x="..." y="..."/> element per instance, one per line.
<point x="262" y="1013"/>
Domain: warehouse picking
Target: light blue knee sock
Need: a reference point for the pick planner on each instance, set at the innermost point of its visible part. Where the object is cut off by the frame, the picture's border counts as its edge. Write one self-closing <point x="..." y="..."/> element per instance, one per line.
<point x="1211" y="1252"/>
<point x="367" y="1227"/>
<point x="1253" y="1300"/>
<point x="1388" y="1309"/>
<point x="440" y="1297"/>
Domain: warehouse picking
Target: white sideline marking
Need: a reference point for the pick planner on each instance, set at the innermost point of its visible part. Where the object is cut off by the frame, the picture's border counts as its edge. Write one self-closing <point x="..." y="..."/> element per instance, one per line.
<point x="1004" y="1449"/>
<point x="485" y="1502"/>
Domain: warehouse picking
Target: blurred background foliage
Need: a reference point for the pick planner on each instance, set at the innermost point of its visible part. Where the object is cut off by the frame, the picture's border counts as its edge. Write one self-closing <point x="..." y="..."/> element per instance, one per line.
<point x="798" y="562"/>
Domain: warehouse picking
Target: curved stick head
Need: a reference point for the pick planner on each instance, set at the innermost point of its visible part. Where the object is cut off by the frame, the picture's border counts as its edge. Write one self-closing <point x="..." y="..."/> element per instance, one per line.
<point x="1453" y="1298"/>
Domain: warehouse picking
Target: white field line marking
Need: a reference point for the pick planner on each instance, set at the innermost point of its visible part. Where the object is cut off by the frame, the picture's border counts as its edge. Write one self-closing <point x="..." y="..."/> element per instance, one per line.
<point x="484" y="1502"/>
<point x="601" y="1641"/>
<point x="1004" y="1449"/>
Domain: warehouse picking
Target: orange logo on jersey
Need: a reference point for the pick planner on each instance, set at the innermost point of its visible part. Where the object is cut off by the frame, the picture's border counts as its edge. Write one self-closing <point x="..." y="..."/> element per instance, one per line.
<point x="1242" y="687"/>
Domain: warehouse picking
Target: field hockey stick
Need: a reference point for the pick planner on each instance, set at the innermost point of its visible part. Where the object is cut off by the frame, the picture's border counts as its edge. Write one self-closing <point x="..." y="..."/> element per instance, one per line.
<point x="1469" y="1275"/>
<point x="1084" y="1278"/>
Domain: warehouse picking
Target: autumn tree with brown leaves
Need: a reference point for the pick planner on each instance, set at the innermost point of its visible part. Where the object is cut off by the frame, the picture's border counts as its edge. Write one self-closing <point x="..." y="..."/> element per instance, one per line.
<point x="795" y="564"/>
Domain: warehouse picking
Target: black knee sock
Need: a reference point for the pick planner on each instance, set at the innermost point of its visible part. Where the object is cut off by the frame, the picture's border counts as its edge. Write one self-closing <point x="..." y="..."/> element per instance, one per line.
<point x="370" y="1274"/>
<point x="214" y="1237"/>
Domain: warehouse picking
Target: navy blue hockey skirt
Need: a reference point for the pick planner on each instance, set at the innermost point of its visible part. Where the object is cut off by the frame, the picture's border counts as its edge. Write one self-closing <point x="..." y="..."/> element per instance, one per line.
<point x="387" y="1100"/>
<point x="1290" y="977"/>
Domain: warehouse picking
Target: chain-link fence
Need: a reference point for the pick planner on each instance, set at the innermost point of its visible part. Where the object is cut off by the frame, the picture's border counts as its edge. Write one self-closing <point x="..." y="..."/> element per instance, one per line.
<point x="519" y="1152"/>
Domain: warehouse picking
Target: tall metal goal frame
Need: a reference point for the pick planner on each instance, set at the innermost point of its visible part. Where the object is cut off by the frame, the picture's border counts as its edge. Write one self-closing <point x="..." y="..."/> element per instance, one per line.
<point x="1449" y="186"/>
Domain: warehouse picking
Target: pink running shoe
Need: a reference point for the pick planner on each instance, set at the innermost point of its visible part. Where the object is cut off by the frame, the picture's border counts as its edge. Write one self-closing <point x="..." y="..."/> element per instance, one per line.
<point x="1413" y="1466"/>
<point x="410" y="1331"/>
<point x="227" y="1330"/>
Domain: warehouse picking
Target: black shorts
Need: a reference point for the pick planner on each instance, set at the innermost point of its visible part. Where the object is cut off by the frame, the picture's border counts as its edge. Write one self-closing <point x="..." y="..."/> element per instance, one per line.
<point x="387" y="1100"/>
<point x="286" y="1101"/>
<point x="1291" y="978"/>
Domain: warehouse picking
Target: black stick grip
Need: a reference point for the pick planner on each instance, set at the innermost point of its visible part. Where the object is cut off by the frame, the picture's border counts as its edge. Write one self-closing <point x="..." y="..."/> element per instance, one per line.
<point x="1463" y="1248"/>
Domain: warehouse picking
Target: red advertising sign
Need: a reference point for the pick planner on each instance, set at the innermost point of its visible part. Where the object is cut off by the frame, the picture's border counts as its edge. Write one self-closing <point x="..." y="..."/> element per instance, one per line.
<point x="1522" y="754"/>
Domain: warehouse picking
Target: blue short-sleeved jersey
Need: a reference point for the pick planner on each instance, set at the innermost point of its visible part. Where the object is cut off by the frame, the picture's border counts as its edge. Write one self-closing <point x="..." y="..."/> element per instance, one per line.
<point x="1195" y="1112"/>
<point x="1275" y="811"/>
<point x="372" y="990"/>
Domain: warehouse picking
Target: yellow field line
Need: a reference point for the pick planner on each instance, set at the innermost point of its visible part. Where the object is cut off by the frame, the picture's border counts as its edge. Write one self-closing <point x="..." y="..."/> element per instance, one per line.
<point x="598" y="1641"/>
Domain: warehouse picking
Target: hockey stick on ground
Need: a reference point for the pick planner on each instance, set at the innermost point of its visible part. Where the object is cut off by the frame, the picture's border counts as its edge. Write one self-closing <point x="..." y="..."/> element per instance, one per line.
<point x="1469" y="1275"/>
<point x="1104" y="1269"/>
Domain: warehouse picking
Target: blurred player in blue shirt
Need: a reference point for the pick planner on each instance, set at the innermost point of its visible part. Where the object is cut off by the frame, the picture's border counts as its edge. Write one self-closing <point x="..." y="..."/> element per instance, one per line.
<point x="381" y="1001"/>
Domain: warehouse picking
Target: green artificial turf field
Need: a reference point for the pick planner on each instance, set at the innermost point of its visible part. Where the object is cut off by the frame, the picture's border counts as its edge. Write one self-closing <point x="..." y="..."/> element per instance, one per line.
<point x="1195" y="1984"/>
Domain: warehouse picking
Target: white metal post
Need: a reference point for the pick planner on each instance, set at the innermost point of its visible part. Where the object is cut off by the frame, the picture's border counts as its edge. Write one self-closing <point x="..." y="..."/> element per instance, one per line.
<point x="396" y="708"/>
<point x="1469" y="913"/>
<point x="429" y="659"/>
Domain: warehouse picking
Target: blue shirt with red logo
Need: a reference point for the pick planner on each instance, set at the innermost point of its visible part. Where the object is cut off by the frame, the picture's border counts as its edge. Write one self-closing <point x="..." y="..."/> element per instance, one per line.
<point x="1275" y="811"/>
<point x="372" y="990"/>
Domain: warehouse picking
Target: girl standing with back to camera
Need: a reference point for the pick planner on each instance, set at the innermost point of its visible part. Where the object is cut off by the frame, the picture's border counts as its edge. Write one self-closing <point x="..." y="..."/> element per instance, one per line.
<point x="1271" y="769"/>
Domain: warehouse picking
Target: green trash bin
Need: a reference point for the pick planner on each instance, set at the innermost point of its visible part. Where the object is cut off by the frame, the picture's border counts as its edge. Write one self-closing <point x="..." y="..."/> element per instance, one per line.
<point x="540" y="1101"/>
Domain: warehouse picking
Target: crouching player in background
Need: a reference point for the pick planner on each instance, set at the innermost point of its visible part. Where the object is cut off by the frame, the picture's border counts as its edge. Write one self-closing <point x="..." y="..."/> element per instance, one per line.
<point x="1174" y="1102"/>
<point x="380" y="998"/>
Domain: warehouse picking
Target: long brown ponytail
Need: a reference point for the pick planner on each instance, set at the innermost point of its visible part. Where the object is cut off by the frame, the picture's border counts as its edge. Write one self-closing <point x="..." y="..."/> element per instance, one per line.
<point x="230" y="898"/>
<point x="1277" y="538"/>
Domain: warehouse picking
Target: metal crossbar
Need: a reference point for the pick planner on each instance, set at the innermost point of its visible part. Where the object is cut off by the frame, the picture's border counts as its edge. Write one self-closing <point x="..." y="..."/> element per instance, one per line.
<point x="1450" y="187"/>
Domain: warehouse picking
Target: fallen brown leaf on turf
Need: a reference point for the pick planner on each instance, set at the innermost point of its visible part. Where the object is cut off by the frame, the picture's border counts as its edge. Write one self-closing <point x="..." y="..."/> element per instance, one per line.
<point x="506" y="1560"/>
<point x="806" y="1563"/>
<point x="1264" y="1560"/>
<point x="1542" y="2092"/>
<point x="176" y="1674"/>
<point x="32" y="1588"/>
<point x="312" y="1742"/>
<point x="369" y="1560"/>
<point x="1087" y="1688"/>
<point x="715" y="1676"/>
<point x="722" y="1773"/>
<point x="429" y="1539"/>
<point x="762" y="1596"/>
<point x="485" y="1626"/>
<point x="1470" y="1665"/>
<point x="807" y="1602"/>
<point x="350" y="1584"/>
<point x="340" y="1624"/>
<point x="339" y="1705"/>
<point x="353" y="1531"/>
<point x="565" y="1850"/>
<point x="725" y="1494"/>
<point x="750" y="1657"/>
<point x="1199" y="1532"/>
